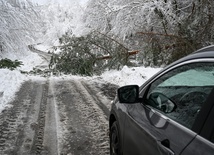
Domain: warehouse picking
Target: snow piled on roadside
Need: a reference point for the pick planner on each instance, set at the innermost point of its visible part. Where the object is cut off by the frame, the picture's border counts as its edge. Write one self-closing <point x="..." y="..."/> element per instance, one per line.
<point x="126" y="76"/>
<point x="129" y="76"/>
<point x="10" y="82"/>
<point x="31" y="61"/>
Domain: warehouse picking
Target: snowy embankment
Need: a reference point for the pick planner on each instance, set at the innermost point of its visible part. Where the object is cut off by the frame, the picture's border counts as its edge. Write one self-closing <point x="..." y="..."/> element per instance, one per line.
<point x="129" y="76"/>
<point x="10" y="81"/>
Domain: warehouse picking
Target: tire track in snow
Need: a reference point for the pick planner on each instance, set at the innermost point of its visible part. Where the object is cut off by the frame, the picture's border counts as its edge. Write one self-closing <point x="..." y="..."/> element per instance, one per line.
<point x="16" y="122"/>
<point x="38" y="146"/>
<point x="51" y="124"/>
<point x="100" y="126"/>
<point x="74" y="135"/>
<point x="96" y="98"/>
<point x="56" y="118"/>
<point x="83" y="125"/>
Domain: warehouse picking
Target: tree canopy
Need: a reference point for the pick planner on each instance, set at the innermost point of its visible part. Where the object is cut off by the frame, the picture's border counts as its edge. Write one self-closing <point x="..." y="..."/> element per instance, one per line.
<point x="166" y="29"/>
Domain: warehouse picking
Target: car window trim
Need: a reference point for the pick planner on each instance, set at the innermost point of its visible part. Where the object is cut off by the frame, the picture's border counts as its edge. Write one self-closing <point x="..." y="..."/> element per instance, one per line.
<point x="208" y="128"/>
<point x="197" y="126"/>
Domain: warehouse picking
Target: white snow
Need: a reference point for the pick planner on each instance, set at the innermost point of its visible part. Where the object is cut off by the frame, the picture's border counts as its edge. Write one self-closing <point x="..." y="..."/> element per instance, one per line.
<point x="129" y="76"/>
<point x="31" y="61"/>
<point x="10" y="82"/>
<point x="42" y="47"/>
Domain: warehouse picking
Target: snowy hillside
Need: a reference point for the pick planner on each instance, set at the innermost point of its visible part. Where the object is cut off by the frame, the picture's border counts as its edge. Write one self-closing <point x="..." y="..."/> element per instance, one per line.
<point x="20" y="27"/>
<point x="59" y="19"/>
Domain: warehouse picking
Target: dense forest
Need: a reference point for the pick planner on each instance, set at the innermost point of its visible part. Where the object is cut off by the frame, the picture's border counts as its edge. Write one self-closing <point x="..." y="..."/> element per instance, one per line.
<point x="107" y="34"/>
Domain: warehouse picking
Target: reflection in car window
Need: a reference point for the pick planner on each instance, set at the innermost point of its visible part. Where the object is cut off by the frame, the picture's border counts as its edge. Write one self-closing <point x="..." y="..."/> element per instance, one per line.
<point x="187" y="87"/>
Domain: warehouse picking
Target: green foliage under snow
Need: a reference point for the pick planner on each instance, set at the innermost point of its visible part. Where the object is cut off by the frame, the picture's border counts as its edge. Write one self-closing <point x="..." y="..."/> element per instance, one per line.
<point x="88" y="55"/>
<point x="7" y="63"/>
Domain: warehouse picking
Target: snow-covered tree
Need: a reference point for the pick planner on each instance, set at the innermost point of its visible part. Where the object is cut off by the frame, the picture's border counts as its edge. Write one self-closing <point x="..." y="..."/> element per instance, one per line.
<point x="60" y="18"/>
<point x="88" y="54"/>
<point x="19" y="26"/>
<point x="96" y="15"/>
<point x="164" y="30"/>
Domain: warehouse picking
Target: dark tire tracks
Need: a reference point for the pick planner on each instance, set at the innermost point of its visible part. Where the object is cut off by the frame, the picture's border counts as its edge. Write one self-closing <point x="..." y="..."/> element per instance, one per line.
<point x="98" y="101"/>
<point x="56" y="117"/>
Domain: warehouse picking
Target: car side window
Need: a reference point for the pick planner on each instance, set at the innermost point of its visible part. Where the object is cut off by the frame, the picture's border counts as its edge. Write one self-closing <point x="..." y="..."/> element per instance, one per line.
<point x="181" y="92"/>
<point x="212" y="137"/>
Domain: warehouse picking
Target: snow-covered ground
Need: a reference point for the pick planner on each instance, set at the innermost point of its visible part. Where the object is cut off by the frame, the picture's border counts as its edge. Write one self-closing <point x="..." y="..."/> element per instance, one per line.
<point x="10" y="81"/>
<point x="127" y="76"/>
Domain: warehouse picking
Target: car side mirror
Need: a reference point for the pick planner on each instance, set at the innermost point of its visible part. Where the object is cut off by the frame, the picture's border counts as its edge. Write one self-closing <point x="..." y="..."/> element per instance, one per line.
<point x="128" y="94"/>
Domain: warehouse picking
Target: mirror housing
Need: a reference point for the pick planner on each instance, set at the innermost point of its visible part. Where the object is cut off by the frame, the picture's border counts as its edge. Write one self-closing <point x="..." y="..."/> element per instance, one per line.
<point x="128" y="94"/>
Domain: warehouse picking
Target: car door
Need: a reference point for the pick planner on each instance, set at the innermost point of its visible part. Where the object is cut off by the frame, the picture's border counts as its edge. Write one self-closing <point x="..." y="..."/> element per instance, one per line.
<point x="164" y="122"/>
<point x="204" y="141"/>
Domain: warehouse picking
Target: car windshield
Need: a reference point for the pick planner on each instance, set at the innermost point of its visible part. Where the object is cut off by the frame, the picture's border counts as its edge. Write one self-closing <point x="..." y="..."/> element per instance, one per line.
<point x="199" y="77"/>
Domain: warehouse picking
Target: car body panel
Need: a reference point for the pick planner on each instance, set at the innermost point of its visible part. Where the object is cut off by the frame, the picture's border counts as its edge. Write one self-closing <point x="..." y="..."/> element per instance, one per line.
<point x="155" y="128"/>
<point x="145" y="130"/>
<point x="118" y="112"/>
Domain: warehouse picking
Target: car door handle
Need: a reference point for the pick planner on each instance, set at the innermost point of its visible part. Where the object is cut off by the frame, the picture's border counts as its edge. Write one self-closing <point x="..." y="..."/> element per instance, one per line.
<point x="165" y="145"/>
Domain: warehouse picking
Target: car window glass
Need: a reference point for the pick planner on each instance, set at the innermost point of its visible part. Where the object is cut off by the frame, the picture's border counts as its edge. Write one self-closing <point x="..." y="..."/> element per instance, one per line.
<point x="181" y="92"/>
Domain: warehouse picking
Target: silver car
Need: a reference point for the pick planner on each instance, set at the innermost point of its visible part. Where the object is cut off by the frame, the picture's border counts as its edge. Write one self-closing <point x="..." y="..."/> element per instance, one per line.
<point x="171" y="114"/>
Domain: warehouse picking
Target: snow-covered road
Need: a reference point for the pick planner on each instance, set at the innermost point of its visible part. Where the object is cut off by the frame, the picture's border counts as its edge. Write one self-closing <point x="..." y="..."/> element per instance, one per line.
<point x="66" y="115"/>
<point x="57" y="117"/>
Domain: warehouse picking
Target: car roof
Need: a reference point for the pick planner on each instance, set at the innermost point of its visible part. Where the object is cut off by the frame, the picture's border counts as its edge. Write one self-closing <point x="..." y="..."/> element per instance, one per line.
<point x="206" y="52"/>
<point x="205" y="49"/>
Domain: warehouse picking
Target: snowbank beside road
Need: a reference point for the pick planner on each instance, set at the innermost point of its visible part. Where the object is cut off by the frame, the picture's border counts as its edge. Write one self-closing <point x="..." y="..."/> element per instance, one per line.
<point x="10" y="82"/>
<point x="129" y="76"/>
<point x="31" y="61"/>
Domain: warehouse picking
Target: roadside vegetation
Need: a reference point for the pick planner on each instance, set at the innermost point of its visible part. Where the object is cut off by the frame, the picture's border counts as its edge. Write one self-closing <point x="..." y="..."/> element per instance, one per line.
<point x="9" y="64"/>
<point x="88" y="55"/>
<point x="111" y="34"/>
<point x="161" y="32"/>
